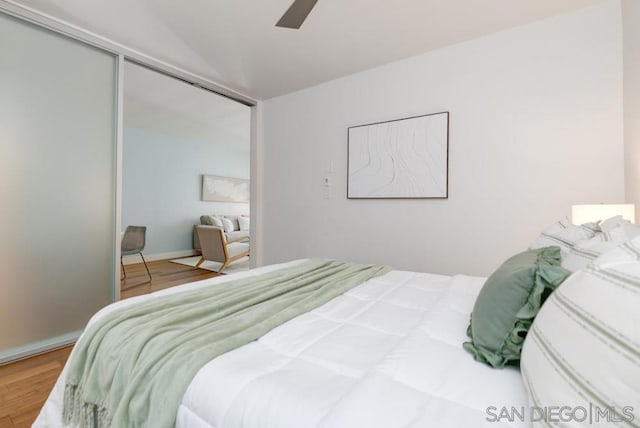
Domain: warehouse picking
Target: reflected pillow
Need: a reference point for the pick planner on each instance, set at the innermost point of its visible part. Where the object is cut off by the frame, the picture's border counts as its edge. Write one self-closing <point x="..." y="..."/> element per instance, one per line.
<point x="228" y="225"/>
<point x="234" y="221"/>
<point x="215" y="221"/>
<point x="244" y="223"/>
<point x="508" y="302"/>
<point x="211" y="220"/>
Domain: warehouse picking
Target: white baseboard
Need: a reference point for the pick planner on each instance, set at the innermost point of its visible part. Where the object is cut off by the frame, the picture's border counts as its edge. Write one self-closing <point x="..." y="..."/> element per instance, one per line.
<point x="135" y="258"/>
<point x="39" y="348"/>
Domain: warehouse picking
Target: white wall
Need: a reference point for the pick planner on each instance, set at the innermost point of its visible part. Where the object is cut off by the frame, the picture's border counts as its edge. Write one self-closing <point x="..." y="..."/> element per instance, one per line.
<point x="162" y="182"/>
<point x="631" y="24"/>
<point x="536" y="125"/>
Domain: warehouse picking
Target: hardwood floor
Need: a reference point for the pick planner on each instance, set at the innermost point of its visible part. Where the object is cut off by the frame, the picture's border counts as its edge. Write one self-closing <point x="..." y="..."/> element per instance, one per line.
<point x="26" y="384"/>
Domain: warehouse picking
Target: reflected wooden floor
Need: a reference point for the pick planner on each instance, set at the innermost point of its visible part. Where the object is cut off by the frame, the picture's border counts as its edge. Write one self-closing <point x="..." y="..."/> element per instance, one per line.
<point x="25" y="385"/>
<point x="165" y="274"/>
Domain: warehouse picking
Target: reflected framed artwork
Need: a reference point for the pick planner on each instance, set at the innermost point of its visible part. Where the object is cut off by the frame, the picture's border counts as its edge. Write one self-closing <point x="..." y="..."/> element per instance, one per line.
<point x="399" y="159"/>
<point x="225" y="189"/>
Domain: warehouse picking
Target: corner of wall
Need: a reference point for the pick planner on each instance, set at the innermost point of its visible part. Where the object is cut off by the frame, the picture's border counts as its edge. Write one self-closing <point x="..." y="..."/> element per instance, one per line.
<point x="631" y="98"/>
<point x="256" y="209"/>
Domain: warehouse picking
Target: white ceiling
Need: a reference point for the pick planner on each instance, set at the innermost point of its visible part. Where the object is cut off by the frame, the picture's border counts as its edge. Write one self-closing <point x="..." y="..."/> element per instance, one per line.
<point x="235" y="42"/>
<point x="158" y="103"/>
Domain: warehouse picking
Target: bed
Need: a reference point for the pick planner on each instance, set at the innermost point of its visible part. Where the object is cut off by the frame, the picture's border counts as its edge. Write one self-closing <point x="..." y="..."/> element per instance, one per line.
<point x="387" y="353"/>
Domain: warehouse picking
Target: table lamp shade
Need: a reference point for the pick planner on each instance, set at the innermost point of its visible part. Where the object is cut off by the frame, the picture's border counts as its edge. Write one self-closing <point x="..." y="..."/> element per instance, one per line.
<point x="588" y="213"/>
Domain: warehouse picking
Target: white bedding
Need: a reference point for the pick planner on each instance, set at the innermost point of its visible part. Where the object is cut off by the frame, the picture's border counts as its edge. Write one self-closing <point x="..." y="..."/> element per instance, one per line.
<point x="388" y="354"/>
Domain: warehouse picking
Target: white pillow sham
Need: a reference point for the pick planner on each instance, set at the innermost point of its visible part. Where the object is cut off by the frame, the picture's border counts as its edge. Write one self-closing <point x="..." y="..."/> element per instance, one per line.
<point x="630" y="229"/>
<point x="565" y="235"/>
<point x="584" y="252"/>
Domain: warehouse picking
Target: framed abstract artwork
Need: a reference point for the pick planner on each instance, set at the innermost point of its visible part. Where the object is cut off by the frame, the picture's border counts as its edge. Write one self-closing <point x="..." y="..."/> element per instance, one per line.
<point x="225" y="189"/>
<point x="399" y="159"/>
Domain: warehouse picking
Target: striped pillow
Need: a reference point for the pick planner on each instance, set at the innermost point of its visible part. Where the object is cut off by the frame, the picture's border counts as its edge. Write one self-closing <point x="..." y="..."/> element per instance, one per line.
<point x="584" y="252"/>
<point x="565" y="235"/>
<point x="583" y="349"/>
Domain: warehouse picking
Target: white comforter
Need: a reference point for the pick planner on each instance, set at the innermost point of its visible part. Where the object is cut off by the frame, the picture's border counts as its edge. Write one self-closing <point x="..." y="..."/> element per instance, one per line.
<point x="387" y="354"/>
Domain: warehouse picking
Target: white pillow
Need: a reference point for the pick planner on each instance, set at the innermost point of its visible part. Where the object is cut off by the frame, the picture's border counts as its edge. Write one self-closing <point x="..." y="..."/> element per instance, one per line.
<point x="228" y="224"/>
<point x="630" y="229"/>
<point x="584" y="252"/>
<point x="244" y="223"/>
<point x="565" y="235"/>
<point x="610" y="223"/>
<point x="583" y="349"/>
<point x="216" y="221"/>
<point x="211" y="220"/>
<point x="234" y="222"/>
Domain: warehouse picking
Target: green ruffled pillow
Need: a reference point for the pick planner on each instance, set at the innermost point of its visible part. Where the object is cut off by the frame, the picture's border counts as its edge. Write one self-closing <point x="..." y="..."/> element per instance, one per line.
<point x="508" y="303"/>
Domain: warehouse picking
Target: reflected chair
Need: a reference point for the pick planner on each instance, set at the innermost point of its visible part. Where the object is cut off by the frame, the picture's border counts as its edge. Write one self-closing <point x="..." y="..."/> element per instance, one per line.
<point x="133" y="242"/>
<point x="215" y="248"/>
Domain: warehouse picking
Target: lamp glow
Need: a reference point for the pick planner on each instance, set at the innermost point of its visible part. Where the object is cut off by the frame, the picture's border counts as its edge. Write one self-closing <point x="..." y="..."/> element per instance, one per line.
<point x="588" y="213"/>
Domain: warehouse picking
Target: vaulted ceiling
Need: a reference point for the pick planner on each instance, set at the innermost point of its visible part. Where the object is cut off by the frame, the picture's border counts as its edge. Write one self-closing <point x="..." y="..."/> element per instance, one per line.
<point x="235" y="42"/>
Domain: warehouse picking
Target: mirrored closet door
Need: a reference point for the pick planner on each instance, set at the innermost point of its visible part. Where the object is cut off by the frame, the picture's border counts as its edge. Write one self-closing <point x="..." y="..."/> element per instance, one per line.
<point x="57" y="186"/>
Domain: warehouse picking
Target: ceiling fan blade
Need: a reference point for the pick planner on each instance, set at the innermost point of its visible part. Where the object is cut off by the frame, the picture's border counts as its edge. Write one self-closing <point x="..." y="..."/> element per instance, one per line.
<point x="296" y="14"/>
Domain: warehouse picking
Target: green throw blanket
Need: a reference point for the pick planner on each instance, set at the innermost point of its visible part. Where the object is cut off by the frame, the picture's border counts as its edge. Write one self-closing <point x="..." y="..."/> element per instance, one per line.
<point x="133" y="365"/>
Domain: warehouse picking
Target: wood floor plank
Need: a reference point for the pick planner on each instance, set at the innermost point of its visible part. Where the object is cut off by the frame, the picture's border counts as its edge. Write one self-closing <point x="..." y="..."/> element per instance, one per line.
<point x="5" y="416"/>
<point x="25" y="385"/>
<point x="27" y="413"/>
<point x="59" y="355"/>
<point x="29" y="375"/>
<point x="26" y="418"/>
<point x="6" y="422"/>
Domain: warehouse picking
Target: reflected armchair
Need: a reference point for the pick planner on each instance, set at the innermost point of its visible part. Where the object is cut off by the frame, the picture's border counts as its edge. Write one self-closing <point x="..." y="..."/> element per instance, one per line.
<point x="215" y="247"/>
